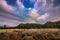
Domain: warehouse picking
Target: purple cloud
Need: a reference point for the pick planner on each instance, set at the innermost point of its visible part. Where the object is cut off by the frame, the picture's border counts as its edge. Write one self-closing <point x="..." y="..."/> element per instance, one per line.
<point x="43" y="11"/>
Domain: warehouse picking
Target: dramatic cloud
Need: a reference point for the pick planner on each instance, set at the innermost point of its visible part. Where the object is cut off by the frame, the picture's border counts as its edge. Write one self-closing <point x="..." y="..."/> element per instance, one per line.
<point x="47" y="11"/>
<point x="34" y="14"/>
<point x="8" y="22"/>
<point x="21" y="6"/>
<point x="14" y="12"/>
<point x="5" y="6"/>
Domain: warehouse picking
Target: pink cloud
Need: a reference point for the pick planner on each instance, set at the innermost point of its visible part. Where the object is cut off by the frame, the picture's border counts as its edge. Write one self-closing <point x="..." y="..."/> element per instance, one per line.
<point x="6" y="7"/>
<point x="21" y="6"/>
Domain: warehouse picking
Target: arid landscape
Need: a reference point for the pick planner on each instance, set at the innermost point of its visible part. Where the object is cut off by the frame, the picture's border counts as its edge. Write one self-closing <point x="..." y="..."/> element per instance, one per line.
<point x="29" y="19"/>
<point x="30" y="34"/>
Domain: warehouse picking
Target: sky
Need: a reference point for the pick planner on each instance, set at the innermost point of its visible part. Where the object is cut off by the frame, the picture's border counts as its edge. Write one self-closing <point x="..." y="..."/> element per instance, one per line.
<point x="14" y="12"/>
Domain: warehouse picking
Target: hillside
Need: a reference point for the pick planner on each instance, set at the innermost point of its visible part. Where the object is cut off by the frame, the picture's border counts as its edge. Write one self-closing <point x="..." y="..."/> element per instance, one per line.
<point x="32" y="25"/>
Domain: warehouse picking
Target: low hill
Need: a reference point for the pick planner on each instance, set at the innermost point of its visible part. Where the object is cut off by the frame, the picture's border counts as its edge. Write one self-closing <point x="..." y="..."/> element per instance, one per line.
<point x="32" y="25"/>
<point x="46" y="25"/>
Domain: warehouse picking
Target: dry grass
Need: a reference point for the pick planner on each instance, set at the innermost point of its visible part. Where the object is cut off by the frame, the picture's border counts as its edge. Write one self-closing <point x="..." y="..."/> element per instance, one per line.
<point x="30" y="34"/>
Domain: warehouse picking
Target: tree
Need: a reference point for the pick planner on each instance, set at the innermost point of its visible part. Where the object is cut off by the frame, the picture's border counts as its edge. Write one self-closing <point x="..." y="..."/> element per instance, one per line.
<point x="4" y="26"/>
